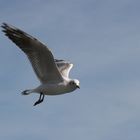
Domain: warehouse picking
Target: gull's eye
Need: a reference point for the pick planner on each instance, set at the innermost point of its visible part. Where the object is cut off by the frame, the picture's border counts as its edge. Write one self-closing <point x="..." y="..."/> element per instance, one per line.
<point x="72" y="83"/>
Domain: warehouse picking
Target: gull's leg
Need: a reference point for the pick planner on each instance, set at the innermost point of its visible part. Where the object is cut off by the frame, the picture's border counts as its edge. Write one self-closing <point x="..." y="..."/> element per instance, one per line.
<point x="40" y="100"/>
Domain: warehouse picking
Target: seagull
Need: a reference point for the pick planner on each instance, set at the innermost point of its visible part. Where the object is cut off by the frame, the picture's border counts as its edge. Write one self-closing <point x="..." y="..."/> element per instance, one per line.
<point x="52" y="73"/>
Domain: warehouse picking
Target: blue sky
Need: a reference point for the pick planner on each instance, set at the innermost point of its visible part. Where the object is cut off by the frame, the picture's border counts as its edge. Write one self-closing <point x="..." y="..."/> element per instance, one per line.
<point x="102" y="39"/>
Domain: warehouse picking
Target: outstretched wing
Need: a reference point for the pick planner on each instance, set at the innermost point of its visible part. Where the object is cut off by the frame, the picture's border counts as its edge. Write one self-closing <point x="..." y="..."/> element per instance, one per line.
<point x="39" y="55"/>
<point x="64" y="67"/>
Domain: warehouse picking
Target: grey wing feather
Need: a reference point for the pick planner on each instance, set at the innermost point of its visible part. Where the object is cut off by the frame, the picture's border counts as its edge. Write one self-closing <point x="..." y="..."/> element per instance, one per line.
<point x="64" y="67"/>
<point x="39" y="55"/>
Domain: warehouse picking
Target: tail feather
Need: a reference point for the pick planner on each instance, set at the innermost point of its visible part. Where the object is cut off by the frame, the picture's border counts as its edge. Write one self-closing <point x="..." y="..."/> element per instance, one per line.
<point x="26" y="92"/>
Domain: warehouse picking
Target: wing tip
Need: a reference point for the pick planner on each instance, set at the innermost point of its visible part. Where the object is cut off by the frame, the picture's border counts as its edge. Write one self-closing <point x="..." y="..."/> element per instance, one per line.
<point x="6" y="27"/>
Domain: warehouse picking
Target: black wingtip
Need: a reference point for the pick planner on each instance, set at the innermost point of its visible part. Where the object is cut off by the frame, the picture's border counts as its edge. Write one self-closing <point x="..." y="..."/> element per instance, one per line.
<point x="6" y="28"/>
<point x="4" y="25"/>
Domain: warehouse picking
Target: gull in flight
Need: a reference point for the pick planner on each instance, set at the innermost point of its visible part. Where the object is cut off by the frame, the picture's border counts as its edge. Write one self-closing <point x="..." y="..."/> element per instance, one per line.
<point x="52" y="73"/>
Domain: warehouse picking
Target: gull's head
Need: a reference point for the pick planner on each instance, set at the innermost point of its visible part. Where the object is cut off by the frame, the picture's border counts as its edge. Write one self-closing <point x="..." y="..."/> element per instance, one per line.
<point x="74" y="83"/>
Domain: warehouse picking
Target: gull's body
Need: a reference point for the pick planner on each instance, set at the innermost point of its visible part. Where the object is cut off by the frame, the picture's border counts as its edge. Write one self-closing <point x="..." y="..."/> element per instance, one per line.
<point x="52" y="73"/>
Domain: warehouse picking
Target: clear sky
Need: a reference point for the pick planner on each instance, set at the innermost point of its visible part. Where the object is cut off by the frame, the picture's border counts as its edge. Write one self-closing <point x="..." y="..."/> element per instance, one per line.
<point x="102" y="39"/>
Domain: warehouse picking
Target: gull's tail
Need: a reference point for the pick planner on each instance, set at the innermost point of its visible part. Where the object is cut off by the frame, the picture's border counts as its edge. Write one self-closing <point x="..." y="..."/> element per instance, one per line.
<point x="27" y="92"/>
